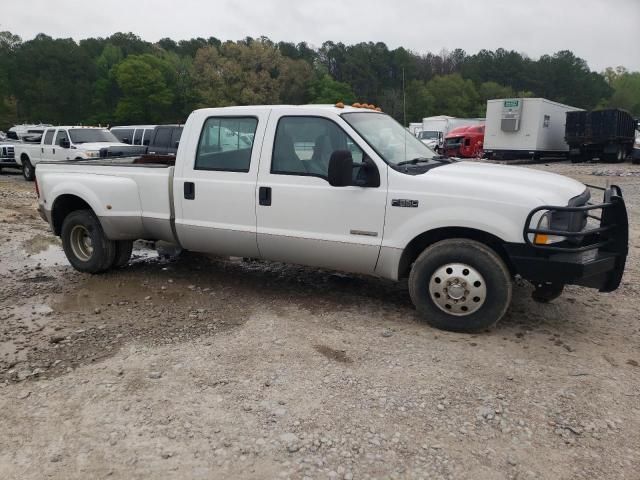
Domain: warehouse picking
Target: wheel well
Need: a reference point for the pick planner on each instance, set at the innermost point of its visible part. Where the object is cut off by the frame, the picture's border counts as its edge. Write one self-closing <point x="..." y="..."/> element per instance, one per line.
<point x="24" y="157"/>
<point x="63" y="206"/>
<point x="422" y="241"/>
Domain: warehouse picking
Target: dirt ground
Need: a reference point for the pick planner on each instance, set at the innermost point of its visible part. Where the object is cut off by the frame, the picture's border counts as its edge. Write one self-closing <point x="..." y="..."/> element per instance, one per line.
<point x="191" y="367"/>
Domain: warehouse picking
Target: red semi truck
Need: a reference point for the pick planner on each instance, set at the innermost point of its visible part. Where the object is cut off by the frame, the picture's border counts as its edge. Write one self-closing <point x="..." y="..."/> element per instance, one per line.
<point x="464" y="142"/>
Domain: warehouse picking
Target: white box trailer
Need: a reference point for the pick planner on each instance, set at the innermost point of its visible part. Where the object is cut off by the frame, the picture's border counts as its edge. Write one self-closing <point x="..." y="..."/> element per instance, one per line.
<point x="525" y="127"/>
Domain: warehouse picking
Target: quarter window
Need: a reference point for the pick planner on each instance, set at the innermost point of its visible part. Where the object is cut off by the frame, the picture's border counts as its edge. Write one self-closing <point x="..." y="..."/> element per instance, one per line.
<point x="137" y="137"/>
<point x="304" y="145"/>
<point x="226" y="144"/>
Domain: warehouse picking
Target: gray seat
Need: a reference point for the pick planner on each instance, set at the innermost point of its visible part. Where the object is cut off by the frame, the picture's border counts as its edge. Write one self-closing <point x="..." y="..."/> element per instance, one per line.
<point x="285" y="158"/>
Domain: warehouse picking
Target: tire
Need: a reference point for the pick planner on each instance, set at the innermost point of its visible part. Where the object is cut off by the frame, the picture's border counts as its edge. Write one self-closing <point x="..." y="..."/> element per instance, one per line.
<point x="547" y="292"/>
<point x="123" y="253"/>
<point x="28" y="171"/>
<point x="465" y="261"/>
<point x="85" y="244"/>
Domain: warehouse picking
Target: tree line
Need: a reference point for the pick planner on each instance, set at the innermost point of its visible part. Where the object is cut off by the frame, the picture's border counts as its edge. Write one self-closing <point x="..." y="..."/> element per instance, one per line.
<point x="123" y="79"/>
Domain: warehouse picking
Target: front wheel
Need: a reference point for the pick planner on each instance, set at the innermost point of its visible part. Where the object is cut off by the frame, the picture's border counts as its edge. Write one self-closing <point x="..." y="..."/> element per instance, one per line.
<point x="460" y="285"/>
<point x="85" y="244"/>
<point x="28" y="171"/>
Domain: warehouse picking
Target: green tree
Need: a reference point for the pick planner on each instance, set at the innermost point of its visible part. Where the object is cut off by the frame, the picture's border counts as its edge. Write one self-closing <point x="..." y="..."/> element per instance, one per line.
<point x="453" y="95"/>
<point x="325" y="89"/>
<point x="8" y="107"/>
<point x="52" y="80"/>
<point x="626" y="92"/>
<point x="147" y="96"/>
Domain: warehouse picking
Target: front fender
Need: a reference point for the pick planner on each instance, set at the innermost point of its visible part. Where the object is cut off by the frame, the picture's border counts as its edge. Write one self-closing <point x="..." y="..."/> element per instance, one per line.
<point x="506" y="225"/>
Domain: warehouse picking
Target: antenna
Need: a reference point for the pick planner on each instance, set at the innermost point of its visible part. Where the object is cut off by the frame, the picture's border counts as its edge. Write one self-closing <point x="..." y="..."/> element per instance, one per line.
<point x="404" y="114"/>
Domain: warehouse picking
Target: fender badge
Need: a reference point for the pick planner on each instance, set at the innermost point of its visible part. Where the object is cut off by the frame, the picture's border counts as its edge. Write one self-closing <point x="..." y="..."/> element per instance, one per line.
<point x="404" y="202"/>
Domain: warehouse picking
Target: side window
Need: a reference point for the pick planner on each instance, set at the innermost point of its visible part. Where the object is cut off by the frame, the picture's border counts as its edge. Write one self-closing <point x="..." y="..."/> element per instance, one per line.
<point x="175" y="136"/>
<point x="226" y="144"/>
<point x="304" y="145"/>
<point x="61" y="135"/>
<point x="48" y="137"/>
<point x="148" y="135"/>
<point x="123" y="134"/>
<point x="137" y="137"/>
<point x="163" y="137"/>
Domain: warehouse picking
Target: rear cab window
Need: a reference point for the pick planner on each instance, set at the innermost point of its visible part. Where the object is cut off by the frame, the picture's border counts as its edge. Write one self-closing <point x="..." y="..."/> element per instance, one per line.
<point x="226" y="144"/>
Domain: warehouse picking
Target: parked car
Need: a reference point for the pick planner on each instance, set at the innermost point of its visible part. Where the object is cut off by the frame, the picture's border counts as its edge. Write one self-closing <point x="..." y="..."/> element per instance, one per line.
<point x="165" y="139"/>
<point x="7" y="156"/>
<point x="349" y="189"/>
<point x="464" y="142"/>
<point x="66" y="143"/>
<point x="607" y="134"/>
<point x="133" y="134"/>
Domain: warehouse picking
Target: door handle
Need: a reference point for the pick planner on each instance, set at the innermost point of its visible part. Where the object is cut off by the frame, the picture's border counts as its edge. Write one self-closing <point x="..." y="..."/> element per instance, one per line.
<point x="54" y="150"/>
<point x="264" y="196"/>
<point x="189" y="190"/>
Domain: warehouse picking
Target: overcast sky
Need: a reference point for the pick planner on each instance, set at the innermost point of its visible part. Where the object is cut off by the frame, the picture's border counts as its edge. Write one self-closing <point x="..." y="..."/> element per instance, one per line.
<point x="603" y="32"/>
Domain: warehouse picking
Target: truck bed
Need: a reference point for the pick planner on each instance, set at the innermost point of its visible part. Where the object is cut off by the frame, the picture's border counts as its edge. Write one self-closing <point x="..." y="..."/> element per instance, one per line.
<point x="132" y="196"/>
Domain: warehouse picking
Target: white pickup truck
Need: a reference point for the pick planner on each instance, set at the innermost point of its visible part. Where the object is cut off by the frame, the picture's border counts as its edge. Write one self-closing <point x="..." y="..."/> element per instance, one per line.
<point x="70" y="143"/>
<point x="348" y="189"/>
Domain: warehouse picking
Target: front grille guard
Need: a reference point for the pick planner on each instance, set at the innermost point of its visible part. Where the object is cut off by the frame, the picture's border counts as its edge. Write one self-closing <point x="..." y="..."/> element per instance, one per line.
<point x="611" y="235"/>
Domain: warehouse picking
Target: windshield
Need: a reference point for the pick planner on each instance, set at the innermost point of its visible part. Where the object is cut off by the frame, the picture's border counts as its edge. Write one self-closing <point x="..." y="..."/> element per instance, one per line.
<point x="428" y="135"/>
<point x="388" y="138"/>
<point x="91" y="135"/>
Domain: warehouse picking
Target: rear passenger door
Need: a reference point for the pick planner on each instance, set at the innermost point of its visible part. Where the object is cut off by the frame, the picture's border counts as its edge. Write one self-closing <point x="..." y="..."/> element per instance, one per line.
<point x="215" y="181"/>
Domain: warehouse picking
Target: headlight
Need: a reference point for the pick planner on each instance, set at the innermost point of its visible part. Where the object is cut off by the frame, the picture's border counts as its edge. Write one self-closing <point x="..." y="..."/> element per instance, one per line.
<point x="92" y="154"/>
<point x="545" y="223"/>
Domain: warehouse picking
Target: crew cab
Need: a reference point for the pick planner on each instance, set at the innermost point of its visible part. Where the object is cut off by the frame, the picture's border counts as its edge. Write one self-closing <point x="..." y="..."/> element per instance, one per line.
<point x="70" y="143"/>
<point x="347" y="189"/>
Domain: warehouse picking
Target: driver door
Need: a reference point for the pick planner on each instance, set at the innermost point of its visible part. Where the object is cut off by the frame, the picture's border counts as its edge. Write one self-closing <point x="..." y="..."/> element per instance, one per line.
<point x="303" y="219"/>
<point x="60" y="153"/>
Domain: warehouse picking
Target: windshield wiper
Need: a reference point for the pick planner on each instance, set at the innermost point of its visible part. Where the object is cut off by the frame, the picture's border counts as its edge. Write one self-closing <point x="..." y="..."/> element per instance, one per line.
<point x="414" y="161"/>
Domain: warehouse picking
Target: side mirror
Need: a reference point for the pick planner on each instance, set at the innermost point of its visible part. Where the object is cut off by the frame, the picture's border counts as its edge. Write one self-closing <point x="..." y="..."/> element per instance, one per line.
<point x="177" y="143"/>
<point x="64" y="143"/>
<point x="126" y="140"/>
<point x="340" y="168"/>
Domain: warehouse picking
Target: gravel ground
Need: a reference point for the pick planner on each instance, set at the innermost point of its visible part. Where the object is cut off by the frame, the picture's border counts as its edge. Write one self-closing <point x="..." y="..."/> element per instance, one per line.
<point x="192" y="367"/>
